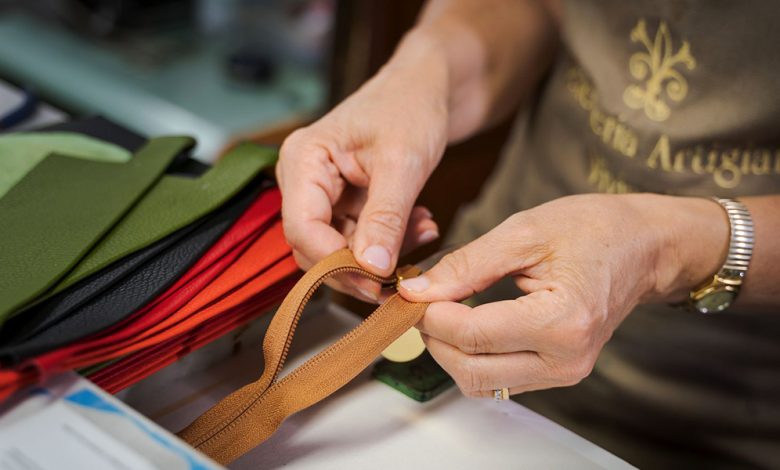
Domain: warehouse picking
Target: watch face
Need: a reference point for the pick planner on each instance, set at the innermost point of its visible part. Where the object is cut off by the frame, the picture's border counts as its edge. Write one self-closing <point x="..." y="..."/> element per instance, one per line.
<point x="714" y="302"/>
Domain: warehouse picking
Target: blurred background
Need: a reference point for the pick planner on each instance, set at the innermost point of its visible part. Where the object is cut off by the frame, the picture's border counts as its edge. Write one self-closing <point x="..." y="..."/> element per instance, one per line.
<point x="219" y="70"/>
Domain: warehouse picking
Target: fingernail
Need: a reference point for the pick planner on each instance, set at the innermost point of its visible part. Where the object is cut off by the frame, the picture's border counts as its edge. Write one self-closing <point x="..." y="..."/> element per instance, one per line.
<point x="428" y="236"/>
<point x="377" y="256"/>
<point x="416" y="284"/>
<point x="427" y="212"/>
<point x="366" y="294"/>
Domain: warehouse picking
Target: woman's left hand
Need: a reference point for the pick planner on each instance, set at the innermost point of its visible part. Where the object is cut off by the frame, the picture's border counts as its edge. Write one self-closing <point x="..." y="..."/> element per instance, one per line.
<point x="584" y="263"/>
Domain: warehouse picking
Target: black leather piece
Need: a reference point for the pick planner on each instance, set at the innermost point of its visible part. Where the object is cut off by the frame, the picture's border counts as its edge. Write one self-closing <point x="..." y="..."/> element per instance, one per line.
<point x="33" y="319"/>
<point x="132" y="291"/>
<point x="42" y="314"/>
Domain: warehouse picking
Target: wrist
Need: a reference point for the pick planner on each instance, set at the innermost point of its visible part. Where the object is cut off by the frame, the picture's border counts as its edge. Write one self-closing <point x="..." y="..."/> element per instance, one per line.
<point x="448" y="54"/>
<point x="689" y="239"/>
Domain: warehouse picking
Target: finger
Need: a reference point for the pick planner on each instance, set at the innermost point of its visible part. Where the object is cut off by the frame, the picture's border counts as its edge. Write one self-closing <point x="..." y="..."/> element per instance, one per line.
<point x="516" y="390"/>
<point x="478" y="375"/>
<point x="383" y="221"/>
<point x="350" y="284"/>
<point x="310" y="186"/>
<point x="497" y="327"/>
<point x="420" y="231"/>
<point x="345" y="226"/>
<point x="466" y="271"/>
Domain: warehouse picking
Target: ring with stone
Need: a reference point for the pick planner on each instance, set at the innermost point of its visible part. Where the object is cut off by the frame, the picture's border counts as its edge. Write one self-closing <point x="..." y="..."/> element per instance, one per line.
<point x="501" y="394"/>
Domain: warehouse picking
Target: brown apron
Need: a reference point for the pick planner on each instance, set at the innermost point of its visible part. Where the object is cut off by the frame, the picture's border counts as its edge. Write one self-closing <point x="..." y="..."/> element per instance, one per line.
<point x="678" y="97"/>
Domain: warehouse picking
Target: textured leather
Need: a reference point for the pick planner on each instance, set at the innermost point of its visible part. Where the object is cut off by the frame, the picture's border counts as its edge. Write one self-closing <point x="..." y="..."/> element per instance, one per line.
<point x="173" y="203"/>
<point x="127" y="374"/>
<point x="53" y="216"/>
<point x="141" y="364"/>
<point x="133" y="291"/>
<point x="232" y="244"/>
<point x="20" y="152"/>
<point x="239" y="290"/>
<point x="43" y="314"/>
<point x="251" y="414"/>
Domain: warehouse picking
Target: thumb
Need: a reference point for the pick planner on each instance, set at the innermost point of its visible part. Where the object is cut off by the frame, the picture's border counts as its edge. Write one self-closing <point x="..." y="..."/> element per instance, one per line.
<point x="382" y="223"/>
<point x="462" y="273"/>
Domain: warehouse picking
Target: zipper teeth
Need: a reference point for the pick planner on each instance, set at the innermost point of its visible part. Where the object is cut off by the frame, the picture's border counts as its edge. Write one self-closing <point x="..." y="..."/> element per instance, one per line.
<point x="257" y="397"/>
<point x="306" y="298"/>
<point x="312" y="362"/>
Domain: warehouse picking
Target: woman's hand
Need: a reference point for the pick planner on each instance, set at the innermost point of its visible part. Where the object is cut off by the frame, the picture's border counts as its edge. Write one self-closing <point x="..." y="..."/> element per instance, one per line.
<point x="352" y="178"/>
<point x="584" y="262"/>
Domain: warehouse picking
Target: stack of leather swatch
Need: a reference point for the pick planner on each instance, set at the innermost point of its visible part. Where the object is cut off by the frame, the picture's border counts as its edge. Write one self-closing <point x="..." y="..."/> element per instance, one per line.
<point x="121" y="255"/>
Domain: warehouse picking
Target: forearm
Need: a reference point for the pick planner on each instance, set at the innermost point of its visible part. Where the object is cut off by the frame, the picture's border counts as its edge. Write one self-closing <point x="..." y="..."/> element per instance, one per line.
<point x="484" y="57"/>
<point x="691" y="242"/>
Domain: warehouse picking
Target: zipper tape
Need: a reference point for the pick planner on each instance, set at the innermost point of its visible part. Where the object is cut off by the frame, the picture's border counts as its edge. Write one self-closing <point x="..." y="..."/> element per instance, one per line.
<point x="251" y="414"/>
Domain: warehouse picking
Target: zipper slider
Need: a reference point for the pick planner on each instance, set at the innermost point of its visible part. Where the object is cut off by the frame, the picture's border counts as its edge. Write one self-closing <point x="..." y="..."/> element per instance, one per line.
<point x="406" y="272"/>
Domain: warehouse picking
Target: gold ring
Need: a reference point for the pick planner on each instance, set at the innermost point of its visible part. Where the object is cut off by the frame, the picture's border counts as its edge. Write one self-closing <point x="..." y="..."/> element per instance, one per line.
<point x="501" y="394"/>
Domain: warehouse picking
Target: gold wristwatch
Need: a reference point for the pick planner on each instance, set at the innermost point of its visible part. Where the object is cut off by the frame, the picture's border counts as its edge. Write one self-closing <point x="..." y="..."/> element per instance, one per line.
<point x="719" y="292"/>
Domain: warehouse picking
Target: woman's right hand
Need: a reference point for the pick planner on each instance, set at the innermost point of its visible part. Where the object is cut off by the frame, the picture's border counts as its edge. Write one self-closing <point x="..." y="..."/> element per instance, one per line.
<point x="351" y="179"/>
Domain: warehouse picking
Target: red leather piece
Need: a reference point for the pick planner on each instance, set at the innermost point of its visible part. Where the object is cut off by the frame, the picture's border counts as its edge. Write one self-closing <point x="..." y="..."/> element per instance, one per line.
<point x="133" y="367"/>
<point x="250" y="275"/>
<point x="123" y="380"/>
<point x="229" y="247"/>
<point x="246" y="232"/>
<point x="256" y="291"/>
<point x="137" y="366"/>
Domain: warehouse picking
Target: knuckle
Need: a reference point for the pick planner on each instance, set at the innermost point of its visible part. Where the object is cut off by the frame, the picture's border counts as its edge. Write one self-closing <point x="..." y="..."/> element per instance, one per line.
<point x="456" y="265"/>
<point x="469" y="377"/>
<point x="472" y="338"/>
<point x="292" y="234"/>
<point x="387" y="219"/>
<point x="301" y="260"/>
<point x="578" y="371"/>
<point x="581" y="331"/>
<point x="471" y="393"/>
<point x="293" y="142"/>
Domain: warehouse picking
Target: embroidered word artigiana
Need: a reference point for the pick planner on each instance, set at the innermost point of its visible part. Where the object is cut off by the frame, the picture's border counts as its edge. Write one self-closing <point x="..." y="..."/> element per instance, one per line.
<point x="726" y="164"/>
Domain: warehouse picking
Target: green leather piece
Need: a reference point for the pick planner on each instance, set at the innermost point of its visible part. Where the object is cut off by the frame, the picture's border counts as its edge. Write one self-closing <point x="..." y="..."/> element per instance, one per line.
<point x="173" y="203"/>
<point x="52" y="217"/>
<point x="22" y="151"/>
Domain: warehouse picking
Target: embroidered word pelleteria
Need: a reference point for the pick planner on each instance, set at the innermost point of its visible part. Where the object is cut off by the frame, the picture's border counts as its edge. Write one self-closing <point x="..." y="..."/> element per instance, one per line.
<point x="251" y="414"/>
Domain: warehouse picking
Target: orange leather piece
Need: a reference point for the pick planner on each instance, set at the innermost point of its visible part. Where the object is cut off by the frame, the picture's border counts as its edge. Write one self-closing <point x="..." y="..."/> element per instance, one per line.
<point x="252" y="254"/>
<point x="246" y="278"/>
<point x="140" y="365"/>
<point x="254" y="292"/>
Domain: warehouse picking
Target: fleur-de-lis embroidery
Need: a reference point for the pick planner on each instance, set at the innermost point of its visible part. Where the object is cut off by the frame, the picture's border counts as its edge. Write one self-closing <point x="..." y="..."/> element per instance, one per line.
<point x="656" y="71"/>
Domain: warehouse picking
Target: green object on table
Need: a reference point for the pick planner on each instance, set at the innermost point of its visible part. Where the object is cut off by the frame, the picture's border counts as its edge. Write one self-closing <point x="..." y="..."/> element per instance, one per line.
<point x="173" y="203"/>
<point x="52" y="217"/>
<point x="21" y="152"/>
<point x="421" y="379"/>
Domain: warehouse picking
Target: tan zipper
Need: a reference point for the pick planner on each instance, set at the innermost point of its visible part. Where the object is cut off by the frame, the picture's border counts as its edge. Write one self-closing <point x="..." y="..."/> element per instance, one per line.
<point x="224" y="432"/>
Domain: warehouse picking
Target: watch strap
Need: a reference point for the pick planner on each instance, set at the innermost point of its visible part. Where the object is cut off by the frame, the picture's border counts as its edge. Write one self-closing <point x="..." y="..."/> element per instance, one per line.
<point x="741" y="240"/>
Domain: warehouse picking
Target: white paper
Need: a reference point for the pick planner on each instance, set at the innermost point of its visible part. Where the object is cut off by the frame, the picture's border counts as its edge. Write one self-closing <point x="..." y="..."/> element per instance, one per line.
<point x="58" y="435"/>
